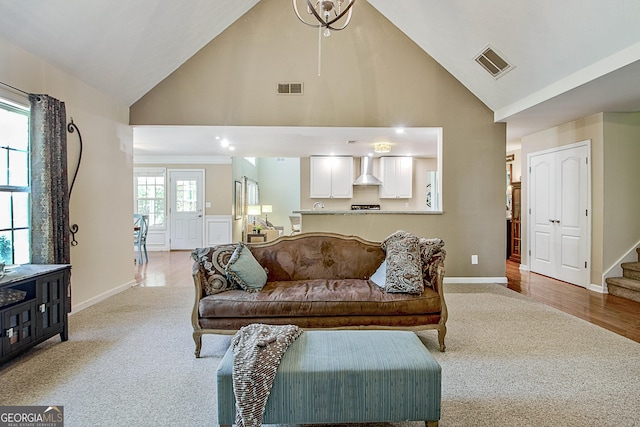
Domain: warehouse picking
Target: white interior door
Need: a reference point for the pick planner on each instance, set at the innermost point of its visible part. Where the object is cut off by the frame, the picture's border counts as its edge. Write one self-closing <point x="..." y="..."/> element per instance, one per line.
<point x="542" y="202"/>
<point x="186" y="211"/>
<point x="559" y="200"/>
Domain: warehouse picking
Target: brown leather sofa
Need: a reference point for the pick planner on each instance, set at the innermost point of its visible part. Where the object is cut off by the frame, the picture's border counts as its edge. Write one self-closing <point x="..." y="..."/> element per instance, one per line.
<point x="315" y="281"/>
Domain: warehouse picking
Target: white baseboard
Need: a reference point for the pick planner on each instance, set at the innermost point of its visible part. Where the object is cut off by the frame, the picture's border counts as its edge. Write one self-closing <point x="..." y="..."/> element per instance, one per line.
<point x="103" y="296"/>
<point x="502" y="280"/>
<point x="597" y="288"/>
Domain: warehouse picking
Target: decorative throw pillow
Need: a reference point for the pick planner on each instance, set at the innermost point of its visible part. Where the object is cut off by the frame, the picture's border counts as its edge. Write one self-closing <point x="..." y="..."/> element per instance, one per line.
<point x="380" y="276"/>
<point x="404" y="265"/>
<point x="245" y="270"/>
<point x="400" y="234"/>
<point x="212" y="261"/>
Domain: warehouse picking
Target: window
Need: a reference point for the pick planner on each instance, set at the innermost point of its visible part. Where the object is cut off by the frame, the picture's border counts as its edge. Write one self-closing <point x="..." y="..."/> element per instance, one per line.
<point x="150" y="195"/>
<point x="14" y="185"/>
<point x="186" y="196"/>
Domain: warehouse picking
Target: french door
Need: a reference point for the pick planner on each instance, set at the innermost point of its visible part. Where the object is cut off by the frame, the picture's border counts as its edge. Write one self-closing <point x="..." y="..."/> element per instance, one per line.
<point x="560" y="213"/>
<point x="186" y="213"/>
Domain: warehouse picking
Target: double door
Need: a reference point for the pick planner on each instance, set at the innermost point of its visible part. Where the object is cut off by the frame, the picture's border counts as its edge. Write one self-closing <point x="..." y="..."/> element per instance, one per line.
<point x="559" y="213"/>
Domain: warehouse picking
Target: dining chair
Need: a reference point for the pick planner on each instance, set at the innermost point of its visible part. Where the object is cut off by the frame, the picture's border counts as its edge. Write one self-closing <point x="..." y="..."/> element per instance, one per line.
<point x="296" y="224"/>
<point x="140" y="229"/>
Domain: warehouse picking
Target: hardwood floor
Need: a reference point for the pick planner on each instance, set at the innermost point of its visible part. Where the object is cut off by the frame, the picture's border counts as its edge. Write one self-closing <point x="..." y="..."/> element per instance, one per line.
<point x="616" y="314"/>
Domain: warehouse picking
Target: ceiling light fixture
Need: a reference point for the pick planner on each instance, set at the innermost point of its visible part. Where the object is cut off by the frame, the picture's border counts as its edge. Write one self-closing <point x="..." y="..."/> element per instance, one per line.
<point x="382" y="147"/>
<point x="329" y="15"/>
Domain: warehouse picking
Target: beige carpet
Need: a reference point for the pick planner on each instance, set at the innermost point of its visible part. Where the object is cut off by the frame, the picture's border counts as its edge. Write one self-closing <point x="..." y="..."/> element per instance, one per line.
<point x="509" y="362"/>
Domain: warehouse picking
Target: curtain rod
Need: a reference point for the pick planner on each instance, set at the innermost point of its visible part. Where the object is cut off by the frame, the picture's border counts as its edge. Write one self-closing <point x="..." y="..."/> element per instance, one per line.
<point x="14" y="88"/>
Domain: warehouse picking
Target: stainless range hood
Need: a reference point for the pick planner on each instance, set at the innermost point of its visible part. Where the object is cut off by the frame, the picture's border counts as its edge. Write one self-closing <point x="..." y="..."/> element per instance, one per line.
<point x="366" y="173"/>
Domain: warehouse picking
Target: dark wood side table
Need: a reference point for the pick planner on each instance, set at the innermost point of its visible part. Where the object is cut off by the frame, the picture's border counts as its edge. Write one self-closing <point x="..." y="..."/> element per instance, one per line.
<point x="34" y="303"/>
<point x="256" y="237"/>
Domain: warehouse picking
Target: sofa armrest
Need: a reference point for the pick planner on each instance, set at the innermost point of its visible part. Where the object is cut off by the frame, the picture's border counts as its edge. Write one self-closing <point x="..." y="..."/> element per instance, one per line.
<point x="198" y="280"/>
<point x="435" y="274"/>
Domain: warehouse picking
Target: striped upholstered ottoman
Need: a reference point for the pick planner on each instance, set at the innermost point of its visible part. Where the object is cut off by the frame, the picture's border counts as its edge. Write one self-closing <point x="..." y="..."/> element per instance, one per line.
<point x="346" y="377"/>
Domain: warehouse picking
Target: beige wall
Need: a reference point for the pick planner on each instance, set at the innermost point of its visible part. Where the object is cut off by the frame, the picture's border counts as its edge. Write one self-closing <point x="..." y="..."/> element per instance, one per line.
<point x="615" y="148"/>
<point x="372" y="75"/>
<point x="588" y="128"/>
<point x="217" y="186"/>
<point x="621" y="204"/>
<point x="102" y="199"/>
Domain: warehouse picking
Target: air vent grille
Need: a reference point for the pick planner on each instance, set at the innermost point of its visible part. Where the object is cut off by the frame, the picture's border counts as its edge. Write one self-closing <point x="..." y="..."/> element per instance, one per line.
<point x="493" y="62"/>
<point x="290" y="88"/>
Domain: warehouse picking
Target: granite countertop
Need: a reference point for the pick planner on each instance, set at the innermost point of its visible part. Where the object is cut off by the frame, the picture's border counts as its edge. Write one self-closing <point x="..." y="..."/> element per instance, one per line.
<point x="363" y="212"/>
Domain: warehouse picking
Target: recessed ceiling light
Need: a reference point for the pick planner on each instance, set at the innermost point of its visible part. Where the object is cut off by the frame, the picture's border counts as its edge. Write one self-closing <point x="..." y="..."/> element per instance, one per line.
<point x="399" y="130"/>
<point x="224" y="143"/>
<point x="231" y="148"/>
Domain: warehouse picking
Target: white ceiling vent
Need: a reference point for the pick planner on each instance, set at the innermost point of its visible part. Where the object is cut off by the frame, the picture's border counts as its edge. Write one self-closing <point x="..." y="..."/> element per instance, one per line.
<point x="290" y="88"/>
<point x="493" y="62"/>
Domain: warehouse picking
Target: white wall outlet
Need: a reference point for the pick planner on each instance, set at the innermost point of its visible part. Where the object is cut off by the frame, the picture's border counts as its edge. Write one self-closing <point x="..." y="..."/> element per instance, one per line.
<point x="474" y="259"/>
<point x="207" y="205"/>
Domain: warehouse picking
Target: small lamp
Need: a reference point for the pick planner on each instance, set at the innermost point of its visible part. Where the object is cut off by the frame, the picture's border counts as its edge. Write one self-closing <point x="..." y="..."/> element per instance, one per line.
<point x="253" y="210"/>
<point x="267" y="209"/>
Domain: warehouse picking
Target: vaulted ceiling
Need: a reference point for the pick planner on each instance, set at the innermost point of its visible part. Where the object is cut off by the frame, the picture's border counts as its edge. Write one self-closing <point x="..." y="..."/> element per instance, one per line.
<point x="570" y="58"/>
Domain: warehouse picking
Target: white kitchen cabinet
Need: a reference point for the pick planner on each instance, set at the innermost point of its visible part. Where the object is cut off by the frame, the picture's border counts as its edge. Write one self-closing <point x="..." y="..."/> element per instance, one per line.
<point x="397" y="176"/>
<point x="331" y="177"/>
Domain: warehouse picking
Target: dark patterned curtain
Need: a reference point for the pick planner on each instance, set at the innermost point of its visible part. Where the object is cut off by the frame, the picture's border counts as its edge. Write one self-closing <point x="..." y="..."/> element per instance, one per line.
<point x="49" y="182"/>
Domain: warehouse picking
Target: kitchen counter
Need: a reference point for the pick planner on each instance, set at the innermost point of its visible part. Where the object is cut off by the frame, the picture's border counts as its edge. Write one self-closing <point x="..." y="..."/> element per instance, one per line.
<point x="364" y="211"/>
<point x="373" y="225"/>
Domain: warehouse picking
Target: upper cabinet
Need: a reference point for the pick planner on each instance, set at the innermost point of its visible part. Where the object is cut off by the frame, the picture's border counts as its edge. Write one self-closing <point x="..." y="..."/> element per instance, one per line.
<point x="331" y="177"/>
<point x="397" y="176"/>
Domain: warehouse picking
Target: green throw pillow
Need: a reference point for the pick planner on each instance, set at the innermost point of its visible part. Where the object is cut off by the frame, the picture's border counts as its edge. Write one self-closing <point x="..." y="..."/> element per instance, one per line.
<point x="245" y="271"/>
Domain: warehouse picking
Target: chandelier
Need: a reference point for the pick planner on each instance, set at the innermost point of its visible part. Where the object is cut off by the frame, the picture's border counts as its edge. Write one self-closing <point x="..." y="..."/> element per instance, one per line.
<point x="382" y="147"/>
<point x="329" y="15"/>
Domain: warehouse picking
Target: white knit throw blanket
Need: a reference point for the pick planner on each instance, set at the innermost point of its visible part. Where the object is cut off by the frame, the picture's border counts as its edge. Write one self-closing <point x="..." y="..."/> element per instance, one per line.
<point x="257" y="351"/>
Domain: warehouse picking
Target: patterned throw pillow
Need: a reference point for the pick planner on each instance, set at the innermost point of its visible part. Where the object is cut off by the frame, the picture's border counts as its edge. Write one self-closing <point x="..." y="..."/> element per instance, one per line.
<point x="212" y="262"/>
<point x="245" y="270"/>
<point x="429" y="249"/>
<point x="431" y="252"/>
<point x="404" y="264"/>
